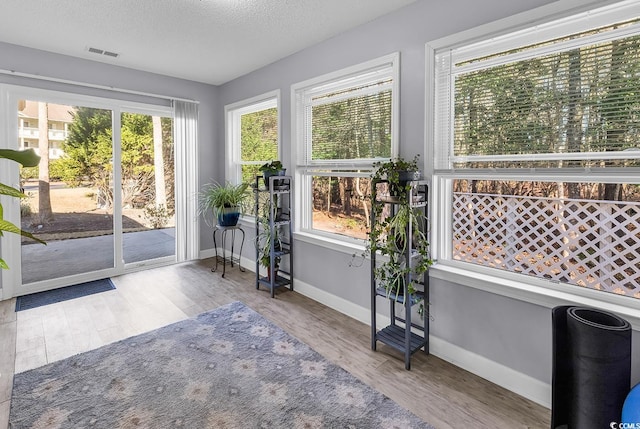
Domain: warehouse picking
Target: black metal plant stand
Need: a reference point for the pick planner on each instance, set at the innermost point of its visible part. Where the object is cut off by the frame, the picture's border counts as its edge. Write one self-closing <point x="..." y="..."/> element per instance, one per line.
<point x="223" y="232"/>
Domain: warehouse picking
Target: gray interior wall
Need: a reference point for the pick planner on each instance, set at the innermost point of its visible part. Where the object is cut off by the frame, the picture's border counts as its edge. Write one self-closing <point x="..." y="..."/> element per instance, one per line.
<point x="509" y="332"/>
<point x="505" y="330"/>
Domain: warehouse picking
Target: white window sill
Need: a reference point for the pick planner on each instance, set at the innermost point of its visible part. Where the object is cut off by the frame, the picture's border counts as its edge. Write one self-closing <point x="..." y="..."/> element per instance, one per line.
<point x="515" y="286"/>
<point x="521" y="287"/>
<point x="349" y="248"/>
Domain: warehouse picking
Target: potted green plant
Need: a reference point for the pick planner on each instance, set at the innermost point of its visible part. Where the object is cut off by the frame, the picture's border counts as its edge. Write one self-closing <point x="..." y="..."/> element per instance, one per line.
<point x="272" y="168"/>
<point x="226" y="202"/>
<point x="398" y="172"/>
<point x="389" y="235"/>
<point x="263" y="242"/>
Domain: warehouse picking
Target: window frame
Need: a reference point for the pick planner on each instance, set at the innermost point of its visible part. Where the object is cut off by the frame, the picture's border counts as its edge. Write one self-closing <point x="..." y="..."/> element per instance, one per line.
<point x="305" y="170"/>
<point x="233" y="113"/>
<point x="561" y="18"/>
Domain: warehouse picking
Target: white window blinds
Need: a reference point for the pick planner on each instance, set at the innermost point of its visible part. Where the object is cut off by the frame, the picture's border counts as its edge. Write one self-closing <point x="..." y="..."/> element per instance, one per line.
<point x="523" y="101"/>
<point x="347" y="122"/>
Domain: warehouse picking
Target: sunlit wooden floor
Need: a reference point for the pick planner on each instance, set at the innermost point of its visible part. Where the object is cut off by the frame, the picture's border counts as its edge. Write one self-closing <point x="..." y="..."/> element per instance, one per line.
<point x="438" y="392"/>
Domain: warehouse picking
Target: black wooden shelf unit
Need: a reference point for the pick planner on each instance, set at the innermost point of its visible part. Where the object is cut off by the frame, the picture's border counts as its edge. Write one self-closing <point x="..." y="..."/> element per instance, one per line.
<point x="401" y="333"/>
<point x="273" y="209"/>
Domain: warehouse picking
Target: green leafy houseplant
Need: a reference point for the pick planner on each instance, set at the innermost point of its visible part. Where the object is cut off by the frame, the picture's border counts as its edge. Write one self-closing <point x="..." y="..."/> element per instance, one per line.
<point x="389" y="236"/>
<point x="398" y="172"/>
<point x="266" y="235"/>
<point x="27" y="158"/>
<point x="263" y="242"/>
<point x="226" y="202"/>
<point x="272" y="168"/>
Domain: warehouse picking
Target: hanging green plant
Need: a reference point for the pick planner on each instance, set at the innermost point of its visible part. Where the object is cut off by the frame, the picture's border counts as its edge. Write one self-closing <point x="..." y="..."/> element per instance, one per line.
<point x="398" y="172"/>
<point x="400" y="236"/>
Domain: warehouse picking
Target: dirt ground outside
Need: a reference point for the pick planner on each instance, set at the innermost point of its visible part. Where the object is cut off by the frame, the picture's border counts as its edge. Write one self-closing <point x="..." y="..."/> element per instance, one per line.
<point x="75" y="214"/>
<point x="340" y="224"/>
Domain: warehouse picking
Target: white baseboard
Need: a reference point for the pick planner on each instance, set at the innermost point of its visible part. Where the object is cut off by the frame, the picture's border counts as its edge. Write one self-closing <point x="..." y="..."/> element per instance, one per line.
<point x="517" y="382"/>
<point x="352" y="310"/>
<point x="207" y="253"/>
<point x="247" y="264"/>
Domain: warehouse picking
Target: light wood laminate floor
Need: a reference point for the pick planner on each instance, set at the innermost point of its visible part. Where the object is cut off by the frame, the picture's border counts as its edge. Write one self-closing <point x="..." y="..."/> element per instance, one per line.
<point x="438" y="392"/>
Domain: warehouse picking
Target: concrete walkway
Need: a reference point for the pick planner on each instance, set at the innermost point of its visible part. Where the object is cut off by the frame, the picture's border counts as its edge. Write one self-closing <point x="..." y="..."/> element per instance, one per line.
<point x="80" y="255"/>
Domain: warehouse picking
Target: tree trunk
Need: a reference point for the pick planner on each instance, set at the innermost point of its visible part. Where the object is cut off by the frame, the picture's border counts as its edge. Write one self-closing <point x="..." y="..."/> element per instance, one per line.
<point x="158" y="163"/>
<point x="347" y="189"/>
<point x="365" y="208"/>
<point x="45" y="213"/>
<point x="329" y="197"/>
<point x="574" y="114"/>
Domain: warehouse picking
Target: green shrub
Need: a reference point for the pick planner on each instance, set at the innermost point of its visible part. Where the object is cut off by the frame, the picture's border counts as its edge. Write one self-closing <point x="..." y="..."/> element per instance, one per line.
<point x="57" y="171"/>
<point x="157" y="216"/>
<point x="28" y="173"/>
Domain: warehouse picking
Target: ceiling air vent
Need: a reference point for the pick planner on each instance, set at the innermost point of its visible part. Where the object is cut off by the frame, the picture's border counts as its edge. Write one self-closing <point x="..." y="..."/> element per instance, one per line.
<point x="103" y="52"/>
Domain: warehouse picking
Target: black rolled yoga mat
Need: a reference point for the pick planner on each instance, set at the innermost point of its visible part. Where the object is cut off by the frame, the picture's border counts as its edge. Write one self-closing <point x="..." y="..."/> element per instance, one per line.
<point x="591" y="367"/>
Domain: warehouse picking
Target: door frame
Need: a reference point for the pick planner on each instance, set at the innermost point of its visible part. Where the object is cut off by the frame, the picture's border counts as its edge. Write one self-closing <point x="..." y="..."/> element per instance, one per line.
<point x="11" y="285"/>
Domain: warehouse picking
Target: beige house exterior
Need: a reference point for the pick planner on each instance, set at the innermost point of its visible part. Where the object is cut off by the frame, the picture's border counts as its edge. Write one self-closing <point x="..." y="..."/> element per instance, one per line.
<point x="59" y="117"/>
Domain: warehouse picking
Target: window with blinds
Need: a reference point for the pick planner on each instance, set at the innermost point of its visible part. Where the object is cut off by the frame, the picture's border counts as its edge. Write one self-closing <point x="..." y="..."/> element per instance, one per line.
<point x="348" y="121"/>
<point x="573" y="101"/>
<point x="537" y="144"/>
<point x="345" y="123"/>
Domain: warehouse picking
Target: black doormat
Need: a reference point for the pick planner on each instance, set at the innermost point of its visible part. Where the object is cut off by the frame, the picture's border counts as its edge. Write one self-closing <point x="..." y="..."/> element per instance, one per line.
<point x="39" y="299"/>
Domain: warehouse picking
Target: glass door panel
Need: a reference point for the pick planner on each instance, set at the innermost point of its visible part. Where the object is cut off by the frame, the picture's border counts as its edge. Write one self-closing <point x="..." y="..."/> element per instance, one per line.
<point x="148" y="204"/>
<point x="70" y="193"/>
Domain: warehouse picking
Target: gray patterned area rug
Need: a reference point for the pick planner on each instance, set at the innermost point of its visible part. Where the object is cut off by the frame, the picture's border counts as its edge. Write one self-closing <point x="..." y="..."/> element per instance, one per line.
<point x="227" y="368"/>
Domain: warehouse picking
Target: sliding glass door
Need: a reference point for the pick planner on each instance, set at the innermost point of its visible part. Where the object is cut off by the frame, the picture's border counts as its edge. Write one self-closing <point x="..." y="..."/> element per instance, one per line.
<point x="67" y="193"/>
<point x="102" y="196"/>
<point x="147" y="198"/>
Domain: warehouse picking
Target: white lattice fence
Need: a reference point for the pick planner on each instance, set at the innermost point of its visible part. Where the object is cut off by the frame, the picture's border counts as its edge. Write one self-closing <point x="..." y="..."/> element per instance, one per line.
<point x="589" y="243"/>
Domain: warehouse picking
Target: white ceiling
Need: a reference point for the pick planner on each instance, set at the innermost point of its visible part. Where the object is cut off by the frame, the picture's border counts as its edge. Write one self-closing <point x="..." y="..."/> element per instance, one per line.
<point x="211" y="41"/>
